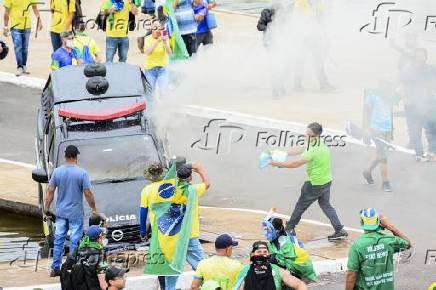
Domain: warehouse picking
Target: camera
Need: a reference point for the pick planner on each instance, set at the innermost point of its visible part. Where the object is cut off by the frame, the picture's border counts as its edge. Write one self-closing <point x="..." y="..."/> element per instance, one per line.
<point x="180" y="161"/>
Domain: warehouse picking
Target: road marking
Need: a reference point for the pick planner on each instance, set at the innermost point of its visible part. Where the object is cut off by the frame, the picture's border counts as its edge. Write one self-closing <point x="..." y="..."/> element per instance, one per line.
<point x="283" y="216"/>
<point x="24" y="81"/>
<point x="210" y="113"/>
<point x="23" y="164"/>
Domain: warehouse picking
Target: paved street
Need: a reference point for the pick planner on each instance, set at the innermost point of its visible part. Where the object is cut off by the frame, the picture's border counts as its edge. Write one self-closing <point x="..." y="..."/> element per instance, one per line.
<point x="237" y="182"/>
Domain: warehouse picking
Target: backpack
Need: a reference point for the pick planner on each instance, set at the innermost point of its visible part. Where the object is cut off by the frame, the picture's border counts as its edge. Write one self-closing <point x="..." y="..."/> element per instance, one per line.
<point x="78" y="15"/>
<point x="87" y="57"/>
<point x="79" y="271"/>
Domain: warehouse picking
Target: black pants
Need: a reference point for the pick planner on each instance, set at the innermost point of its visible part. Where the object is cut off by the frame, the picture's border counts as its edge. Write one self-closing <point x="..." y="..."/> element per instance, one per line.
<point x="309" y="194"/>
<point x="204" y="38"/>
<point x="190" y="41"/>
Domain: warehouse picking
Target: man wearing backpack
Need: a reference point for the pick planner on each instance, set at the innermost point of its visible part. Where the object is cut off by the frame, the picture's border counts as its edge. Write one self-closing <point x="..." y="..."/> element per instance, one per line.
<point x="63" y="13"/>
<point x="85" y="269"/>
<point x="86" y="47"/>
<point x="117" y="14"/>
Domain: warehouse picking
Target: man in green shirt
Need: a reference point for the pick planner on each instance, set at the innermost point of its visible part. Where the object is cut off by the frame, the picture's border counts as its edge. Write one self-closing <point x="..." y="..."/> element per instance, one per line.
<point x="370" y="260"/>
<point x="316" y="155"/>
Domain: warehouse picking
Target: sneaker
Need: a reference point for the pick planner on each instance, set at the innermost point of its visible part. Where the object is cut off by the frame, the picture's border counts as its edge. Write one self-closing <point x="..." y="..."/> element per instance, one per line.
<point x="19" y="72"/>
<point x="26" y="71"/>
<point x="55" y="273"/>
<point x="421" y="158"/>
<point x="340" y="235"/>
<point x="290" y="231"/>
<point x="386" y="187"/>
<point x="368" y="177"/>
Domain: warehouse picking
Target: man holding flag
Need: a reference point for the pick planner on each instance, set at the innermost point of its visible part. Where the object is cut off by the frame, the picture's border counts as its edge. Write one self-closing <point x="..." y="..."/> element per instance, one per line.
<point x="175" y="223"/>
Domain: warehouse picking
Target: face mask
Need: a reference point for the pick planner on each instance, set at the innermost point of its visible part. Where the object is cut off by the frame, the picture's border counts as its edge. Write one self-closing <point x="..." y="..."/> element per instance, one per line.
<point x="260" y="260"/>
<point x="69" y="43"/>
<point x="105" y="242"/>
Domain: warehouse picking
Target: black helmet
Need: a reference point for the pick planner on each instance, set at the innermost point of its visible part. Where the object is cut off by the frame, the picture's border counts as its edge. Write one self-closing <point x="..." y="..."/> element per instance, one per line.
<point x="5" y="50"/>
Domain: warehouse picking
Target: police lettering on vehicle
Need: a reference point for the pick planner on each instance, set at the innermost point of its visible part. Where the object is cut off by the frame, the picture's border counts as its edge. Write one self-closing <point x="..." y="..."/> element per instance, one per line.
<point x="120" y="218"/>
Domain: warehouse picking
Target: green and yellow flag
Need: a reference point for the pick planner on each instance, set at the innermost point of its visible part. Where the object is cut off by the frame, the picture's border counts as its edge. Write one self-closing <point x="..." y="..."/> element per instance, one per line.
<point x="171" y="228"/>
<point x="176" y="41"/>
<point x="293" y="257"/>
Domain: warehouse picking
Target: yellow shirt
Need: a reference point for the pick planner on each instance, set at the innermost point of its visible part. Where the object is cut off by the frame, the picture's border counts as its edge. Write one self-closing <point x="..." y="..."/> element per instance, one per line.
<point x="180" y="199"/>
<point x="158" y="57"/>
<point x="223" y="270"/>
<point x="117" y="23"/>
<point x="19" y="16"/>
<point x="59" y="17"/>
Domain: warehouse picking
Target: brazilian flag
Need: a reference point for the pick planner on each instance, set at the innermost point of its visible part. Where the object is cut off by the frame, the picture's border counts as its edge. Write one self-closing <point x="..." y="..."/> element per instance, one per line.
<point x="171" y="228"/>
<point x="175" y="38"/>
<point x="291" y="255"/>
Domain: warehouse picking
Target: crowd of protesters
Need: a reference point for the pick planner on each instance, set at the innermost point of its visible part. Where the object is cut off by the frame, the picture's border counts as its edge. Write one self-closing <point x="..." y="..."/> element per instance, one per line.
<point x="278" y="262"/>
<point x="188" y="23"/>
<point x="170" y="204"/>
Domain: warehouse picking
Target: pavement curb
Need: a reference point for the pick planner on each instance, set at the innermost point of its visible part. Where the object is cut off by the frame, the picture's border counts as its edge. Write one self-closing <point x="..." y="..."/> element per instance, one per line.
<point x="20" y="208"/>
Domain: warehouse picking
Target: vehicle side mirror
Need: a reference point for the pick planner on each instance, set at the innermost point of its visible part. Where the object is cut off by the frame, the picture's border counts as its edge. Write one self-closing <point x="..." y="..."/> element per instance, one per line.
<point x="39" y="175"/>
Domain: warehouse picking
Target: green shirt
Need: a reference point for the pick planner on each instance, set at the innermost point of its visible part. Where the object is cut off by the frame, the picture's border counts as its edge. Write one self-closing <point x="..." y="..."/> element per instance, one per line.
<point x="371" y="257"/>
<point x="317" y="156"/>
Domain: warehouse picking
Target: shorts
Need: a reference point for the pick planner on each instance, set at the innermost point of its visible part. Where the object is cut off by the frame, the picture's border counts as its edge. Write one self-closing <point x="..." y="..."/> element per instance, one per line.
<point x="205" y="38"/>
<point x="381" y="148"/>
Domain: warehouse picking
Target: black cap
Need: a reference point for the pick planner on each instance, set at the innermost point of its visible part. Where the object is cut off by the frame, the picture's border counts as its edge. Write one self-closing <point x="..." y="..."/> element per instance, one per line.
<point x="184" y="171"/>
<point x="5" y="50"/>
<point x="115" y="272"/>
<point x="71" y="151"/>
<point x="224" y="241"/>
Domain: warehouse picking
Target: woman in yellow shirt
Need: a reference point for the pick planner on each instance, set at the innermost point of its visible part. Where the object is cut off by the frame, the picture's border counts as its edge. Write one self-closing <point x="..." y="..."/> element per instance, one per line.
<point x="157" y="51"/>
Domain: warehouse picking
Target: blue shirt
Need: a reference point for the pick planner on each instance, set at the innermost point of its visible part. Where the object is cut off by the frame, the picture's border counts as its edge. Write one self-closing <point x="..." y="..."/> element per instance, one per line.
<point x="381" y="112"/>
<point x="61" y="57"/>
<point x="185" y="17"/>
<point x="202" y="25"/>
<point x="70" y="181"/>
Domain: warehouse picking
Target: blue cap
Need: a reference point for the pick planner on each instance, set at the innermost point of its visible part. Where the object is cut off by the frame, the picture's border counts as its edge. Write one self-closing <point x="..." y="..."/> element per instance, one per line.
<point x="94" y="232"/>
<point x="224" y="241"/>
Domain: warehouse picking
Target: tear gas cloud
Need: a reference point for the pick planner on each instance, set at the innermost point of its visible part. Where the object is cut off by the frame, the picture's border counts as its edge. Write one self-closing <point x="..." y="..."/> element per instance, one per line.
<point x="243" y="69"/>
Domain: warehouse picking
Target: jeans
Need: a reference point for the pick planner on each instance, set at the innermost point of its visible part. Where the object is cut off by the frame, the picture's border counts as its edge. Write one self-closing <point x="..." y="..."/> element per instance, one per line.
<point x="114" y="43"/>
<point x="75" y="226"/>
<point x="416" y="122"/>
<point x="309" y="194"/>
<point x="157" y="76"/>
<point x="56" y="41"/>
<point x="194" y="256"/>
<point x="21" y="37"/>
<point x="190" y="41"/>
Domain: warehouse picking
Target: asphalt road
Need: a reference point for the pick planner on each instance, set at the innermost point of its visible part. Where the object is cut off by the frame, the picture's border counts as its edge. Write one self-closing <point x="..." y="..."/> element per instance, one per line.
<point x="237" y="181"/>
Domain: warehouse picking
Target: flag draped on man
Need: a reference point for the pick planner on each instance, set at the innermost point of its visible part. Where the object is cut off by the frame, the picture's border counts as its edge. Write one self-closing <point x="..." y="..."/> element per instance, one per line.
<point x="175" y="38"/>
<point x="171" y="225"/>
